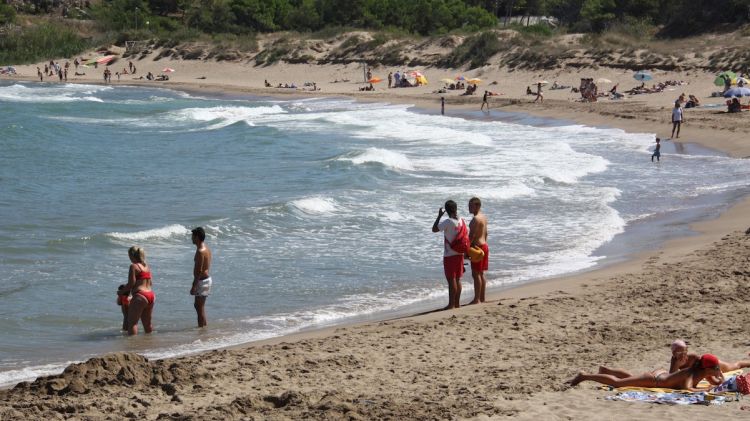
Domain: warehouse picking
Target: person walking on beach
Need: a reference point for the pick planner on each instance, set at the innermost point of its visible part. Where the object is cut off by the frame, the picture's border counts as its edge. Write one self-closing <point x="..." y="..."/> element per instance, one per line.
<point x="453" y="262"/>
<point x="539" y="96"/>
<point x="139" y="285"/>
<point x="390" y="79"/>
<point x="657" y="151"/>
<point x="478" y="238"/>
<point x="485" y="103"/>
<point x="677" y="119"/>
<point x="201" y="279"/>
<point x="39" y="74"/>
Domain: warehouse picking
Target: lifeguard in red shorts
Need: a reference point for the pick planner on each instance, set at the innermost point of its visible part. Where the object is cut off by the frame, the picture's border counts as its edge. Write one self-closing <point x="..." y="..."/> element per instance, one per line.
<point x="453" y="262"/>
<point x="478" y="238"/>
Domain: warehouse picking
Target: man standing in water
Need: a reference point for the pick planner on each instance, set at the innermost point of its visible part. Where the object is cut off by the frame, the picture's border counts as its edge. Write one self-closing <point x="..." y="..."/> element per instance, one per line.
<point x="201" y="280"/>
<point x="478" y="238"/>
<point x="453" y="262"/>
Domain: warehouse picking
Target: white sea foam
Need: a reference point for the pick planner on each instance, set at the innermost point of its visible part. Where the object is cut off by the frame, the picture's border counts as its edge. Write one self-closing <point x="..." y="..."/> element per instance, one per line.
<point x="388" y="158"/>
<point x="512" y="190"/>
<point x="11" y="377"/>
<point x="315" y="205"/>
<point x="51" y="93"/>
<point x="152" y="234"/>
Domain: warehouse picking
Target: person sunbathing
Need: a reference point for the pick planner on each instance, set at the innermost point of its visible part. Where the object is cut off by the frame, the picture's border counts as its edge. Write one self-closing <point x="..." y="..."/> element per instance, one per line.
<point x="707" y="366"/>
<point x="682" y="359"/>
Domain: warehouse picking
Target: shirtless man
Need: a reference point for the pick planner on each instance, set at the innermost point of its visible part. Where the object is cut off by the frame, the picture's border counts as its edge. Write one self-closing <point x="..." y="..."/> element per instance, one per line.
<point x="682" y="359"/>
<point x="478" y="238"/>
<point x="707" y="366"/>
<point x="201" y="280"/>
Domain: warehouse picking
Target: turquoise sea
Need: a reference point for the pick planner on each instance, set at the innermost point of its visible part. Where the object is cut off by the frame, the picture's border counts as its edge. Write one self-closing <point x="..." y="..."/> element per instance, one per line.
<point x="318" y="211"/>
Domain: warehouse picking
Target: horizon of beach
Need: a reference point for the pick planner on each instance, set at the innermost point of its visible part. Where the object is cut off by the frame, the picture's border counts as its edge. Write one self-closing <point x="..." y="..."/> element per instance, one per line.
<point x="278" y="396"/>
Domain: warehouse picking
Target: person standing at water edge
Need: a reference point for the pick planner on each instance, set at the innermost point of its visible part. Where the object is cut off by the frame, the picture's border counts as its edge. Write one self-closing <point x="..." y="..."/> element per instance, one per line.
<point x="657" y="151"/>
<point x="676" y="118"/>
<point x="201" y="280"/>
<point x="453" y="262"/>
<point x="484" y="103"/>
<point x="478" y="238"/>
<point x="139" y="286"/>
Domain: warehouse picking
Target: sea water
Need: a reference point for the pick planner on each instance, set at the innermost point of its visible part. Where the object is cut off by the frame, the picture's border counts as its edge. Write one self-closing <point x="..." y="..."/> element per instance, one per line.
<point x="318" y="211"/>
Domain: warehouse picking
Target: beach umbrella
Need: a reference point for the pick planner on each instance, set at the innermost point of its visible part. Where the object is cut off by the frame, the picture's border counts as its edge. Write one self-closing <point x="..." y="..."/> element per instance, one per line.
<point x="719" y="81"/>
<point x="642" y="75"/>
<point x="543" y="82"/>
<point x="603" y="80"/>
<point x="167" y="70"/>
<point x="475" y="81"/>
<point x="460" y="78"/>
<point x="447" y="80"/>
<point x="421" y="79"/>
<point x="737" y="92"/>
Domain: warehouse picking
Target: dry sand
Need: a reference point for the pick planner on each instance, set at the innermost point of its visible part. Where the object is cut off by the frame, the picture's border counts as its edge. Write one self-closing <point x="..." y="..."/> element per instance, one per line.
<point x="508" y="357"/>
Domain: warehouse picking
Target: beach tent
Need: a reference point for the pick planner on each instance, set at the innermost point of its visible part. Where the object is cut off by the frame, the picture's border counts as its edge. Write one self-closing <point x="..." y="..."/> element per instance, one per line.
<point x="167" y="70"/>
<point x="104" y="60"/>
<point x="642" y="75"/>
<point x="737" y="92"/>
<point x="719" y="81"/>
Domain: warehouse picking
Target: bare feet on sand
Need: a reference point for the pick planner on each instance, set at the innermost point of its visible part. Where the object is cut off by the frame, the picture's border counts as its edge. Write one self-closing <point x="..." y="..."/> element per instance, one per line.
<point x="575" y="380"/>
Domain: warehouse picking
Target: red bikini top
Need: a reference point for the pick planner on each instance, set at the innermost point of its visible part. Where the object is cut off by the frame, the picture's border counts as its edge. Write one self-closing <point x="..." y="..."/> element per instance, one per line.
<point x="143" y="275"/>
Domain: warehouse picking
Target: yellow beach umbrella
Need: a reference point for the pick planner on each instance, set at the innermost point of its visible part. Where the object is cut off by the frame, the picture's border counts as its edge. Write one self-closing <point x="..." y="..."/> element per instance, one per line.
<point x="475" y="81"/>
<point x="447" y="80"/>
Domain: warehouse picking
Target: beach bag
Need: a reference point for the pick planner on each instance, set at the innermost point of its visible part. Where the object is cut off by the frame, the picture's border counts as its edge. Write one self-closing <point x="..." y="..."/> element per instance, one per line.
<point x="461" y="243"/>
<point x="476" y="254"/>
<point x="743" y="383"/>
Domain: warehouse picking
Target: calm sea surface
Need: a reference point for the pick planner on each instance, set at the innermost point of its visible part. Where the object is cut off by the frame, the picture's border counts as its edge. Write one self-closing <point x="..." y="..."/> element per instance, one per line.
<point x="318" y="211"/>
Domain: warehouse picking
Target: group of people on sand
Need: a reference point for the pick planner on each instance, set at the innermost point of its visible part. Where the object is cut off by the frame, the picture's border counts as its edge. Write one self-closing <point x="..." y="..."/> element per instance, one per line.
<point x="137" y="297"/>
<point x="686" y="370"/>
<point x="455" y="230"/>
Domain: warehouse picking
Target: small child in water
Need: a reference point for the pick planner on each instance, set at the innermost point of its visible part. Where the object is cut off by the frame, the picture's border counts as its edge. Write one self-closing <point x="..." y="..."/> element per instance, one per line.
<point x="123" y="300"/>
<point x="657" y="151"/>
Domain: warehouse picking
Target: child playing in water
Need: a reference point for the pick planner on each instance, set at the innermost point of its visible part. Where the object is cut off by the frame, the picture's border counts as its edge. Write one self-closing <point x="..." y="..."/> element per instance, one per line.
<point x="123" y="300"/>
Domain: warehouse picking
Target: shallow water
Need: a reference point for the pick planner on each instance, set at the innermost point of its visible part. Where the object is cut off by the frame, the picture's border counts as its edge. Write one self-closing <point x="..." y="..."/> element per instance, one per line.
<point x="318" y="211"/>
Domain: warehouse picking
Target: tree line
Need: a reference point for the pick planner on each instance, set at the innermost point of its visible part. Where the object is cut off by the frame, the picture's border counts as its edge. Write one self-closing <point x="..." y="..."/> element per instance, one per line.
<point x="425" y="17"/>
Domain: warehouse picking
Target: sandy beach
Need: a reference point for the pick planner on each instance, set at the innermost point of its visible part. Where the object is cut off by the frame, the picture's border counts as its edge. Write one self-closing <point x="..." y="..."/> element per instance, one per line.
<point x="509" y="357"/>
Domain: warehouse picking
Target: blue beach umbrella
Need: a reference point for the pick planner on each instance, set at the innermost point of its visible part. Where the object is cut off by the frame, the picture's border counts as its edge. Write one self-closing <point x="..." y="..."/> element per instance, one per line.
<point x="642" y="75"/>
<point x="737" y="92"/>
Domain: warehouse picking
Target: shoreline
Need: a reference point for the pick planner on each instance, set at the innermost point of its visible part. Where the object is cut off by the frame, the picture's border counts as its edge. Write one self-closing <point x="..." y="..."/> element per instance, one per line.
<point x="669" y="252"/>
<point x="628" y="261"/>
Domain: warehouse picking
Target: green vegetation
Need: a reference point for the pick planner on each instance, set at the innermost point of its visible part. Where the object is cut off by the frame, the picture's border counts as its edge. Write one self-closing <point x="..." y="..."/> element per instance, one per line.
<point x="41" y="42"/>
<point x="476" y="50"/>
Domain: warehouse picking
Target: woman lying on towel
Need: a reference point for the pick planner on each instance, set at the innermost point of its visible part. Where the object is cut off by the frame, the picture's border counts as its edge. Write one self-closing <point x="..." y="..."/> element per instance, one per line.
<point x="687" y="379"/>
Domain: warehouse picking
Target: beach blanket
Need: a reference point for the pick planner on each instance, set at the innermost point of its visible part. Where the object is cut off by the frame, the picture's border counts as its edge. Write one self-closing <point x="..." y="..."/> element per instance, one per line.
<point x="672" y="398"/>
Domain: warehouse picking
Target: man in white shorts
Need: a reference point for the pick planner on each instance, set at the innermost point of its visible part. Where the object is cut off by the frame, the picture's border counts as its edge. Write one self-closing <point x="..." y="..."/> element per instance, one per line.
<point x="201" y="280"/>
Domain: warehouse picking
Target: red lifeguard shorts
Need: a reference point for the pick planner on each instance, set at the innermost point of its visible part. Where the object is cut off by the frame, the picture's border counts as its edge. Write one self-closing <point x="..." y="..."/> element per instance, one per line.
<point x="453" y="266"/>
<point x="485" y="263"/>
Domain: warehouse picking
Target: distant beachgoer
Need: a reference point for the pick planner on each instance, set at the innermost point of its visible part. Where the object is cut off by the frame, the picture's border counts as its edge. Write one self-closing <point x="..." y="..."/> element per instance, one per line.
<point x="539" y="95"/>
<point x="139" y="286"/>
<point x="442" y="105"/>
<point x="682" y="359"/>
<point x="707" y="366"/>
<point x="390" y="78"/>
<point x="693" y="101"/>
<point x="369" y="74"/>
<point x="727" y="82"/>
<point x="485" y="103"/>
<point x="478" y="238"/>
<point x="677" y="119"/>
<point x="65" y="73"/>
<point x="76" y="63"/>
<point x="453" y="262"/>
<point x="201" y="279"/>
<point x="39" y="74"/>
<point x="657" y="151"/>
<point x="130" y="66"/>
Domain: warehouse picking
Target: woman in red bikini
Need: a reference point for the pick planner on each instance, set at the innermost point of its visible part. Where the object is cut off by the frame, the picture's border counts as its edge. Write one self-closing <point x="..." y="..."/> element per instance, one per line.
<point x="139" y="285"/>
